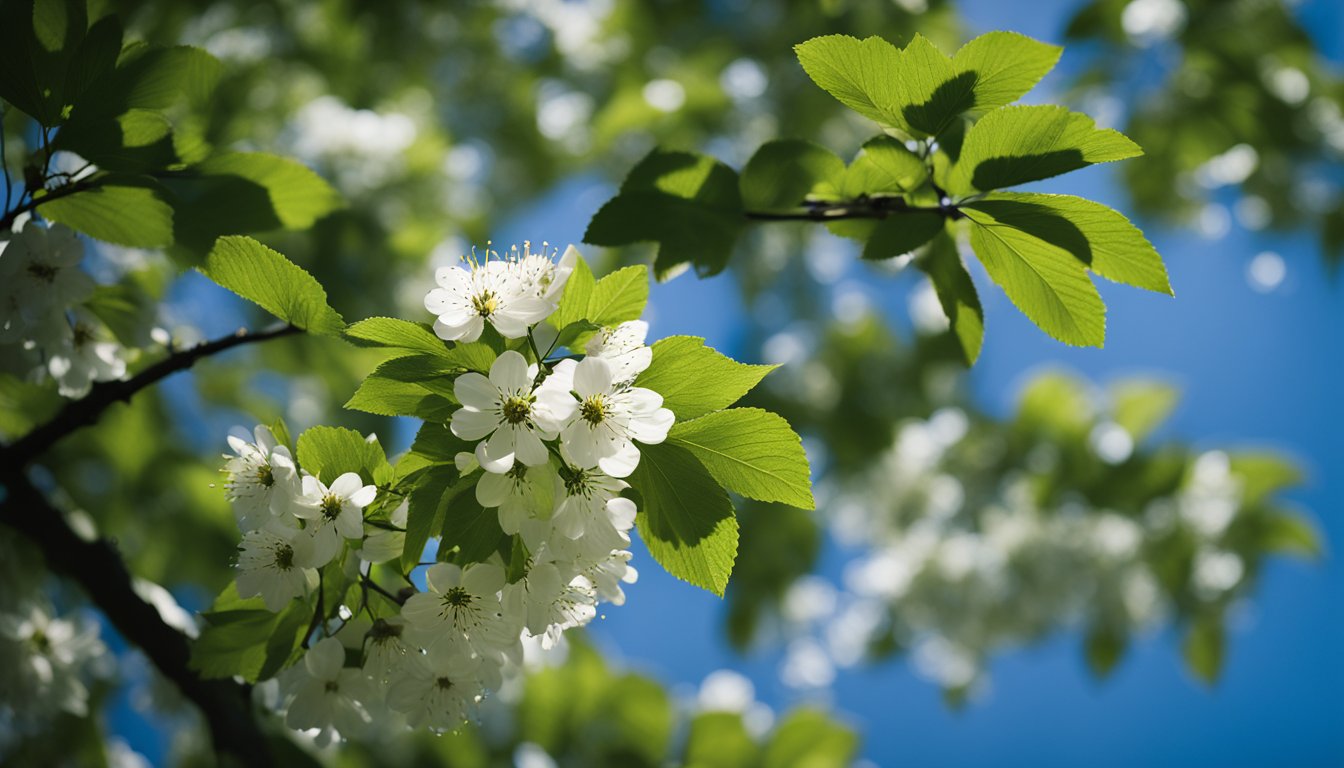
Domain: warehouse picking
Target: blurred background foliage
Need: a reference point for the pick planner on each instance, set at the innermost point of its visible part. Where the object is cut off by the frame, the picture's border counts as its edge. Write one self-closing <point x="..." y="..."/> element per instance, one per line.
<point x="438" y="124"/>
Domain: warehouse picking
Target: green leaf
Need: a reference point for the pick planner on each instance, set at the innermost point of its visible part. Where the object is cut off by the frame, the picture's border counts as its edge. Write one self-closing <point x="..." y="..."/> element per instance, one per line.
<point x="573" y="305"/>
<point x="807" y="738"/>
<point x="126" y="309"/>
<point x="902" y="233"/>
<point x="694" y="379"/>
<point x="389" y="397"/>
<point x="124" y="210"/>
<point x="37" y="43"/>
<point x="719" y="740"/>
<point x="1015" y="145"/>
<point x="619" y="296"/>
<point x="1045" y="281"/>
<point x="97" y="56"/>
<point x="241" y="638"/>
<point x="396" y="334"/>
<point x="425" y="511"/>
<point x="245" y="192"/>
<point x="885" y="166"/>
<point x="1006" y="65"/>
<point x="933" y="94"/>
<point x="433" y="373"/>
<point x="751" y="452"/>
<point x="470" y="532"/>
<point x="329" y="452"/>
<point x="1097" y="236"/>
<point x="273" y="282"/>
<point x="685" y="518"/>
<point x="687" y="203"/>
<point x="1204" y="648"/>
<point x="24" y="405"/>
<point x="862" y="74"/>
<point x="941" y="261"/>
<point x="150" y="77"/>
<point x="1103" y="649"/>
<point x="783" y="174"/>
<point x="1263" y="474"/>
<point x="136" y="141"/>
<point x="1291" y="534"/>
<point x="1140" y="405"/>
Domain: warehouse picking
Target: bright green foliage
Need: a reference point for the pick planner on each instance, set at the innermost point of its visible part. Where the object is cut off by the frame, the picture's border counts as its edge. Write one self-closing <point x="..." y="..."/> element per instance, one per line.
<point x="807" y="738"/>
<point x="689" y="204"/>
<point x="240" y="637"/>
<point x="694" y="379"/>
<point x="272" y="282"/>
<point x="1204" y="647"/>
<point x="685" y="518"/>
<point x="618" y="297"/>
<point x="1141" y="405"/>
<point x="930" y="170"/>
<point x="397" y="334"/>
<point x="1015" y="145"/>
<point x="1043" y="279"/>
<point x="783" y="174"/>
<point x="942" y="263"/>
<point x="750" y="452"/>
<point x="329" y="452"/>
<point x="101" y="212"/>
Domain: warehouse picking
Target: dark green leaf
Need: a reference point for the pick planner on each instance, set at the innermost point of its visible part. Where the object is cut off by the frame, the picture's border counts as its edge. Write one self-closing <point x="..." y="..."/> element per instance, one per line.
<point x="783" y="174"/>
<point x="902" y="233"/>
<point x="956" y="293"/>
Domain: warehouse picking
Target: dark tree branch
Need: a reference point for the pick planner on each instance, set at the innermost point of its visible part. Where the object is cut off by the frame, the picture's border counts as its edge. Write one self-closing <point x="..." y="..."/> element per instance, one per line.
<point x="81" y="413"/>
<point x="860" y="208"/>
<point x="97" y="568"/>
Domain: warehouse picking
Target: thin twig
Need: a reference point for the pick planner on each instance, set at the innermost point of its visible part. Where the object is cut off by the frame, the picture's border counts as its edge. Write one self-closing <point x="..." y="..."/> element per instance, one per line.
<point x="81" y="413"/>
<point x="7" y="221"/>
<point x="9" y="183"/>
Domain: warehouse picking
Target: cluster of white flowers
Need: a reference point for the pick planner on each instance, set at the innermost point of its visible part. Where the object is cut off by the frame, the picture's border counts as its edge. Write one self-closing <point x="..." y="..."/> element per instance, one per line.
<point x="46" y="660"/>
<point x="552" y="442"/>
<point x="961" y="560"/>
<point x="44" y="330"/>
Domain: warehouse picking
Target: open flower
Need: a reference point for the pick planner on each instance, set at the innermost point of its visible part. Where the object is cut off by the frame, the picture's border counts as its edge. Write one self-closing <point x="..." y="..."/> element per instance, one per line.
<point x="609" y="417"/>
<point x="493" y="291"/>
<point x="40" y="277"/>
<point x="623" y="349"/>
<point x="441" y="688"/>
<point x="325" y="694"/>
<point x="332" y="513"/>
<point x="590" y="510"/>
<point x="461" y="607"/>
<point x="521" y="493"/>
<point x="269" y="565"/>
<point x="552" y="599"/>
<point x="262" y="479"/>
<point x="543" y="277"/>
<point x="505" y="409"/>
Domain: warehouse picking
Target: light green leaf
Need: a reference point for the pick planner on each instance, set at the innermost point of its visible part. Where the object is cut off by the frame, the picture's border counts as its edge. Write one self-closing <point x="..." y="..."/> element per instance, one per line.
<point x="941" y="261"/>
<point x="902" y="233"/>
<point x="396" y="334"/>
<point x="123" y="210"/>
<point x="241" y="638"/>
<point x="273" y="282"/>
<point x="24" y="405"/>
<point x="862" y="74"/>
<point x="1204" y="648"/>
<point x="1045" y="281"/>
<point x="785" y="173"/>
<point x="685" y="518"/>
<point x="687" y="203"/>
<point x="933" y="94"/>
<point x="807" y="738"/>
<point x="719" y="740"/>
<point x="1097" y="236"/>
<point x="1290" y="533"/>
<point x="695" y="379"/>
<point x="329" y="452"/>
<point x="388" y="397"/>
<point x="298" y="196"/>
<point x="885" y="166"/>
<point x="1141" y="405"/>
<point x="1015" y="145"/>
<point x="751" y="452"/>
<point x="1006" y="65"/>
<point x="136" y="141"/>
<point x="578" y="292"/>
<point x="619" y="296"/>
<point x="1263" y="473"/>
<point x="150" y="77"/>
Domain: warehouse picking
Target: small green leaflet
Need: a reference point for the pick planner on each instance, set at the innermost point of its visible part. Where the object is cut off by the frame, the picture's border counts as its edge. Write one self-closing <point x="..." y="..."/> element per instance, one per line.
<point x="273" y="282"/>
<point x="694" y="379"/>
<point x="901" y="234"/>
<point x="397" y="334"/>
<point x="329" y="452"/>
<point x="687" y="203"/>
<point x="241" y="638"/>
<point x="783" y="174"/>
<point x="1006" y="65"/>
<point x="685" y="518"/>
<point x="751" y="452"/>
<point x="956" y="293"/>
<point x="885" y="166"/>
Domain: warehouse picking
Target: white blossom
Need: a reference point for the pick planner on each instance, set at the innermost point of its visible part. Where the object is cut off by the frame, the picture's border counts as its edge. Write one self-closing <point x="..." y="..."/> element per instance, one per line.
<point x="332" y="513"/>
<point x="40" y="278"/>
<point x="84" y="355"/>
<point x="551" y="600"/>
<point x="521" y="493"/>
<point x="326" y="695"/>
<point x="262" y="479"/>
<point x="623" y="349"/>
<point x="269" y="564"/>
<point x="440" y="689"/>
<point x="507" y="415"/>
<point x="609" y="418"/>
<point x="461" y="608"/>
